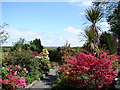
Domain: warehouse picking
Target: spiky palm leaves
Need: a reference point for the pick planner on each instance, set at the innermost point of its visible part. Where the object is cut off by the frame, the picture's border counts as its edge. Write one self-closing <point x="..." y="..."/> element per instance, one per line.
<point x="93" y="15"/>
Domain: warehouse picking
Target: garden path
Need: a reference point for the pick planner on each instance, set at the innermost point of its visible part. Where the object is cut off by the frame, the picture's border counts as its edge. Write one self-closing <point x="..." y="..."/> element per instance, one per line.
<point x="46" y="82"/>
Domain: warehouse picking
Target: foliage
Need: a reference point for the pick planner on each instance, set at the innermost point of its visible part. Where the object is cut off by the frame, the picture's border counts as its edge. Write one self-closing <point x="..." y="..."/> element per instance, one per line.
<point x="45" y="63"/>
<point x="106" y="7"/>
<point x="87" y="71"/>
<point x="111" y="12"/>
<point x="35" y="45"/>
<point x="76" y="50"/>
<point x="20" y="44"/>
<point x="65" y="52"/>
<point x="106" y="42"/>
<point x="5" y="47"/>
<point x="114" y="21"/>
<point x="35" y="53"/>
<point x="3" y="35"/>
<point x="13" y="77"/>
<point x="93" y="15"/>
<point x="54" y="55"/>
<point x="25" y="59"/>
<point x="36" y="65"/>
<point x="90" y="45"/>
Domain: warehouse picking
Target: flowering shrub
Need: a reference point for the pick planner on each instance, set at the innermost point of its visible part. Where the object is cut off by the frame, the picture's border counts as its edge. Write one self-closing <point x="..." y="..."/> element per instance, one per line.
<point x="44" y="59"/>
<point x="0" y="83"/>
<point x="86" y="70"/>
<point x="13" y="77"/>
<point x="27" y="59"/>
<point x="8" y="60"/>
<point x="35" y="53"/>
<point x="64" y="52"/>
<point x="35" y="65"/>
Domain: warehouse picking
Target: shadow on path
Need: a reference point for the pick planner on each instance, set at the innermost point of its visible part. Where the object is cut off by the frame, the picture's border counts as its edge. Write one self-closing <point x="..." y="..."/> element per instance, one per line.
<point x="46" y="82"/>
<point x="49" y="80"/>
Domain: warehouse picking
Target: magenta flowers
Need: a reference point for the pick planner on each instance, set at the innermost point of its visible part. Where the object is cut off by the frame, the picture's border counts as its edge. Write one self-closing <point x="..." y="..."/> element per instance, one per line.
<point x="13" y="78"/>
<point x="86" y="70"/>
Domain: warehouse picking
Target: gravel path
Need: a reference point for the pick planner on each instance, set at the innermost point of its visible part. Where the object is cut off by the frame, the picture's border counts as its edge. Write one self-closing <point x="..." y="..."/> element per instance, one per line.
<point x="46" y="82"/>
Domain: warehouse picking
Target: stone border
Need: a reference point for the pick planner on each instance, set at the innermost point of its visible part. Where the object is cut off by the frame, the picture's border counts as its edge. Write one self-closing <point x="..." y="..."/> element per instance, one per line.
<point x="30" y="85"/>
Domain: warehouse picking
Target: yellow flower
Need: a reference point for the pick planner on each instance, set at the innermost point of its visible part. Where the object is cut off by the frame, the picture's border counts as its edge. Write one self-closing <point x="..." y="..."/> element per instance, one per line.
<point x="45" y="51"/>
<point x="67" y="73"/>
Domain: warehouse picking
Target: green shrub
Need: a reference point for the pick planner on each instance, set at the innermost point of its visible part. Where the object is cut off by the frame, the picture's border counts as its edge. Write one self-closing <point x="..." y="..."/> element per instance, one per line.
<point x="18" y="44"/>
<point x="35" y="45"/>
<point x="54" y="55"/>
<point x="107" y="42"/>
<point x="35" y="66"/>
<point x="44" y="58"/>
<point x="65" y="52"/>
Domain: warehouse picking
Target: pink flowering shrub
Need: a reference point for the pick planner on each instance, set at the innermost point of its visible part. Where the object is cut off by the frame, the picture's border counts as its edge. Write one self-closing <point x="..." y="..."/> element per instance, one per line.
<point x="17" y="70"/>
<point x="86" y="70"/>
<point x="35" y="53"/>
<point x="0" y="83"/>
<point x="14" y="81"/>
<point x="13" y="77"/>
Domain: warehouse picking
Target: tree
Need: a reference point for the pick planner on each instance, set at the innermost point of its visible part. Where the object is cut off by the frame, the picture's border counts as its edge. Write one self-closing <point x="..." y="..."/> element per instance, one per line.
<point x="35" y="45"/>
<point x="93" y="15"/>
<point x="114" y="21"/>
<point x="106" y="42"/>
<point x="112" y="14"/>
<point x="64" y="52"/>
<point x="106" y="7"/>
<point x="3" y="35"/>
<point x="20" y="44"/>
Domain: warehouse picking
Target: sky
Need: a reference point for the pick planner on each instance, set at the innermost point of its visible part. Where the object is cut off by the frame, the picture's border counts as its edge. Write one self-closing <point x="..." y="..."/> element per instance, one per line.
<point x="53" y="22"/>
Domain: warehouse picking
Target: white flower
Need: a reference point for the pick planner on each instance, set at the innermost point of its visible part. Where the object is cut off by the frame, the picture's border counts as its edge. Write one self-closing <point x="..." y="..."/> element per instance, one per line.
<point x="38" y="57"/>
<point x="116" y="79"/>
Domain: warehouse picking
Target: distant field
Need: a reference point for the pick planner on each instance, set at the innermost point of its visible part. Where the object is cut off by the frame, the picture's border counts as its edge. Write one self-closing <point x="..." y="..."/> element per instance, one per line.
<point x="6" y="46"/>
<point x="49" y="48"/>
<point x="1" y="54"/>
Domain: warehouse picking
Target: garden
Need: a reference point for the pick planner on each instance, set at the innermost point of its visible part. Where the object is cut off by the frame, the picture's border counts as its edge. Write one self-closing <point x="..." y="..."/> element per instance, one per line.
<point x="21" y="67"/>
<point x="94" y="66"/>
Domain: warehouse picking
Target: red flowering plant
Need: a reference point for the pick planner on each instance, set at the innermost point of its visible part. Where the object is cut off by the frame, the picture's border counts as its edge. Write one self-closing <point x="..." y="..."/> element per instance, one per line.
<point x="12" y="77"/>
<point x="86" y="70"/>
<point x="8" y="60"/>
<point x="35" y="53"/>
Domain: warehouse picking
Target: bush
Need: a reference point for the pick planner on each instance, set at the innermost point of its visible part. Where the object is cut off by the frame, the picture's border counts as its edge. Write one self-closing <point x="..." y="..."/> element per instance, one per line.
<point x="65" y="52"/>
<point x="107" y="42"/>
<point x="35" y="45"/>
<point x="54" y="55"/>
<point x="36" y="65"/>
<point x="45" y="63"/>
<point x="87" y="71"/>
<point x="13" y="77"/>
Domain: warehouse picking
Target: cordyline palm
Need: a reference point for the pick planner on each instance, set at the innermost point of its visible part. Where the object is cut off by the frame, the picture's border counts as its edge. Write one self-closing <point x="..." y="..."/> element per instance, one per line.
<point x="93" y="15"/>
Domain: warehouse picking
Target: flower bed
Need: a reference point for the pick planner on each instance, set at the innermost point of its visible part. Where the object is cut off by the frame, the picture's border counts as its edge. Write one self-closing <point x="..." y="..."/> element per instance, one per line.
<point x="87" y="71"/>
<point x="13" y="77"/>
<point x="20" y="68"/>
